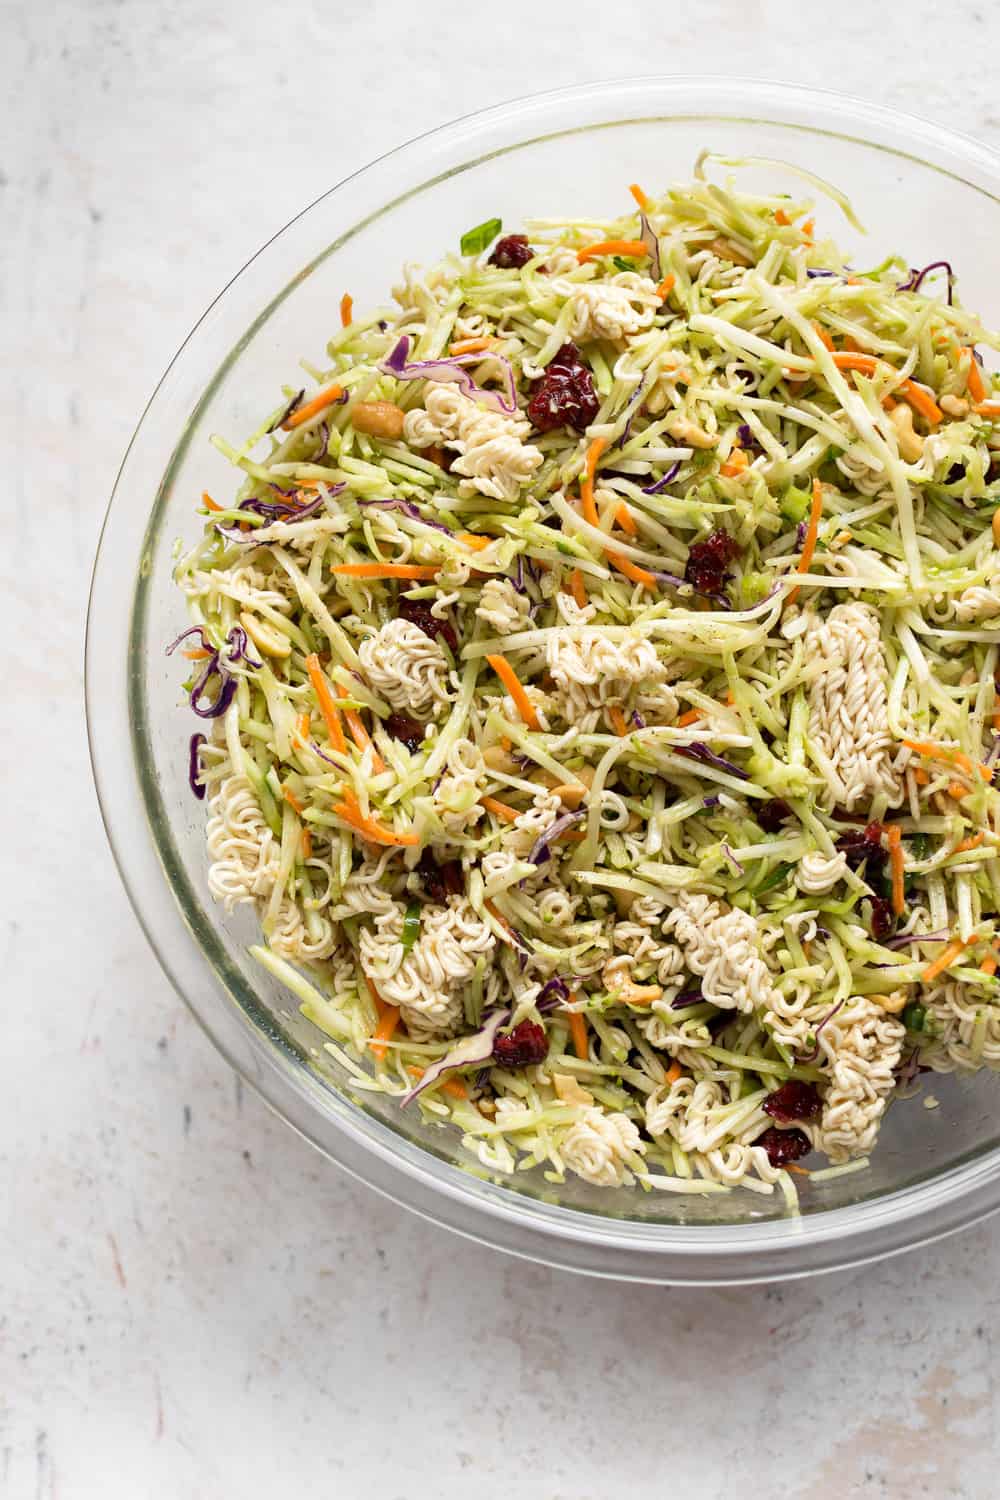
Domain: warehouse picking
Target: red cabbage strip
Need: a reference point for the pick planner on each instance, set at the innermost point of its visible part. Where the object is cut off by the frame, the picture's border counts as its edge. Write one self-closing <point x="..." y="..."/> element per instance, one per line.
<point x="697" y="750"/>
<point x="452" y="371"/>
<point x="540" y="849"/>
<point x="471" y="1049"/>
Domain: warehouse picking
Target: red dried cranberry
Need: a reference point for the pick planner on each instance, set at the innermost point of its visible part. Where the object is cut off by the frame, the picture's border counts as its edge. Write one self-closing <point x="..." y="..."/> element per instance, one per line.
<point x="771" y="815"/>
<point x="883" y="920"/>
<point x="409" y="732"/>
<point x="708" y="561"/>
<point x="439" y="881"/>
<point x="418" y="612"/>
<point x="565" y="395"/>
<point x="512" y="252"/>
<point x="519" y="1048"/>
<point x="864" y="847"/>
<point x="783" y="1146"/>
<point x="793" y="1101"/>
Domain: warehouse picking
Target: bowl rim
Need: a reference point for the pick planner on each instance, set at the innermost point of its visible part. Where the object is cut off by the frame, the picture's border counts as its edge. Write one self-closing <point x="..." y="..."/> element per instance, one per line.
<point x="569" y="1238"/>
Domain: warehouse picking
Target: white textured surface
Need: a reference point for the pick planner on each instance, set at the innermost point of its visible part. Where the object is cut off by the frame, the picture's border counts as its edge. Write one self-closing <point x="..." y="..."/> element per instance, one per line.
<point x="193" y="1304"/>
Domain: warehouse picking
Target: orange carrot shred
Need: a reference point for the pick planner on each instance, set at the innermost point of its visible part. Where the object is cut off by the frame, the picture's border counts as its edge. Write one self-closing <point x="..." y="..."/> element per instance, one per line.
<point x="821" y="332"/>
<point x="346" y="309"/>
<point x="640" y="197"/>
<point x="989" y="965"/>
<point x="499" y="809"/>
<point x="473" y="346"/>
<point x="691" y="717"/>
<point x="617" y="720"/>
<point x="208" y="502"/>
<point x="780" y="217"/>
<point x="369" y="828"/>
<point x="919" y="399"/>
<point x="318" y="403"/>
<point x="612" y="247"/>
<point x="453" y="1086"/>
<point x="812" y="532"/>
<point x="625" y="519"/>
<point x="578" y="588"/>
<point x="666" y="286"/>
<point x="735" y="464"/>
<point x="894" y="837"/>
<point x="307" y="843"/>
<point x="594" y="452"/>
<point x="511" y="682"/>
<point x="958" y="790"/>
<point x="969" y="843"/>
<point x="808" y="229"/>
<point x="472" y="540"/>
<point x="195" y="654"/>
<point x="302" y="726"/>
<point x="632" y="570"/>
<point x="944" y="960"/>
<point x="385" y="1030"/>
<point x="995" y="526"/>
<point x="974" y="380"/>
<point x="359" y="733"/>
<point x="958" y="757"/>
<point x="578" y="1034"/>
<point x="673" y="1072"/>
<point x="328" y="707"/>
<point x="292" y="800"/>
<point x="987" y="408"/>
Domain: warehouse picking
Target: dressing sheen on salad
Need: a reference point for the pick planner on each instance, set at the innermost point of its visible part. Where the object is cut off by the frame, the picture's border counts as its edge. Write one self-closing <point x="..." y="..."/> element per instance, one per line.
<point x="598" y="668"/>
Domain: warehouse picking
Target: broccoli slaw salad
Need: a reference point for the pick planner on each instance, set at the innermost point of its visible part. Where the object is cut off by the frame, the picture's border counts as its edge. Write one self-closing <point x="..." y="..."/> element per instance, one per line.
<point x="597" y="670"/>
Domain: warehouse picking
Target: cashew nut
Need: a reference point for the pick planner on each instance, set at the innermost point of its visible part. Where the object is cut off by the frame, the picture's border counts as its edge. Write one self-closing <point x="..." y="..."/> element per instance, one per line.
<point x="911" y="444"/>
<point x="378" y="418"/>
<point x="265" y="636"/>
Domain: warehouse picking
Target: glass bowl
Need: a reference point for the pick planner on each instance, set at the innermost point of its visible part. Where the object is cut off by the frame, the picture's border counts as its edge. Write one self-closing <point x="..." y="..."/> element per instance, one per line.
<point x="919" y="189"/>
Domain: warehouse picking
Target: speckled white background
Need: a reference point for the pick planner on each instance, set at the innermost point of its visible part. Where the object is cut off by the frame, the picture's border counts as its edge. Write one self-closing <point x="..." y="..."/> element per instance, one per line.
<point x="192" y="1303"/>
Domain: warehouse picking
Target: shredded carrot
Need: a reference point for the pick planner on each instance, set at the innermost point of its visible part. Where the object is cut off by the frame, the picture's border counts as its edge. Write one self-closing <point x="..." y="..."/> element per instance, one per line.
<point x="500" y="809"/>
<point x="730" y="700"/>
<point x="995" y="525"/>
<point x="625" y="519"/>
<point x="578" y="588"/>
<point x="208" y="502"/>
<point x="473" y="346"/>
<point x="470" y="539"/>
<point x="812" y="532"/>
<point x="594" y="452"/>
<point x="989" y="965"/>
<point x="617" y="720"/>
<point x="385" y="1030"/>
<point x="292" y="800"/>
<point x="578" y="1034"/>
<point x="987" y="408"/>
<point x="346" y="309"/>
<point x="894" y="836"/>
<point x="950" y="753"/>
<point x="359" y="733"/>
<point x="386" y="570"/>
<point x="691" y="717"/>
<point x="799" y="1171"/>
<point x="373" y="831"/>
<point x="318" y="403"/>
<point x="666" y="286"/>
<point x="307" y="843"/>
<point x="673" y="1072"/>
<point x="958" y="790"/>
<point x="632" y="570"/>
<point x="509" y="678"/>
<point x="808" y="229"/>
<point x="503" y="924"/>
<point x="974" y="380"/>
<point x="821" y="332"/>
<point x="302" y="726"/>
<point x="780" y="217"/>
<point x="453" y="1086"/>
<point x="969" y="843"/>
<point x="735" y="464"/>
<point x="915" y="394"/>
<point x="612" y="247"/>
<point x="328" y="708"/>
<point x="944" y="960"/>
<point x="196" y="654"/>
<point x="640" y="197"/>
<point x="921" y="777"/>
<point x="995" y="718"/>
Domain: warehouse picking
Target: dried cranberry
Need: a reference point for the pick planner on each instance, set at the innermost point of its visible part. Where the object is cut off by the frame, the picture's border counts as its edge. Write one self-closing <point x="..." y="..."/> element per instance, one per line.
<point x="708" y="561"/>
<point x="864" y="847"/>
<point x="883" y="920"/>
<point x="409" y="732"/>
<point x="771" y="815"/>
<point x="793" y="1101"/>
<point x="439" y="881"/>
<point x="512" y="252"/>
<point x="783" y="1146"/>
<point x="565" y="395"/>
<point x="525" y="1045"/>
<point x="418" y="612"/>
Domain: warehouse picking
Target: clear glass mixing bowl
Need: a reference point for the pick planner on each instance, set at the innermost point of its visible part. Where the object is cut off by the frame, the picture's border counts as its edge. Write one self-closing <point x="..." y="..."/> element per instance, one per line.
<point x="919" y="189"/>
